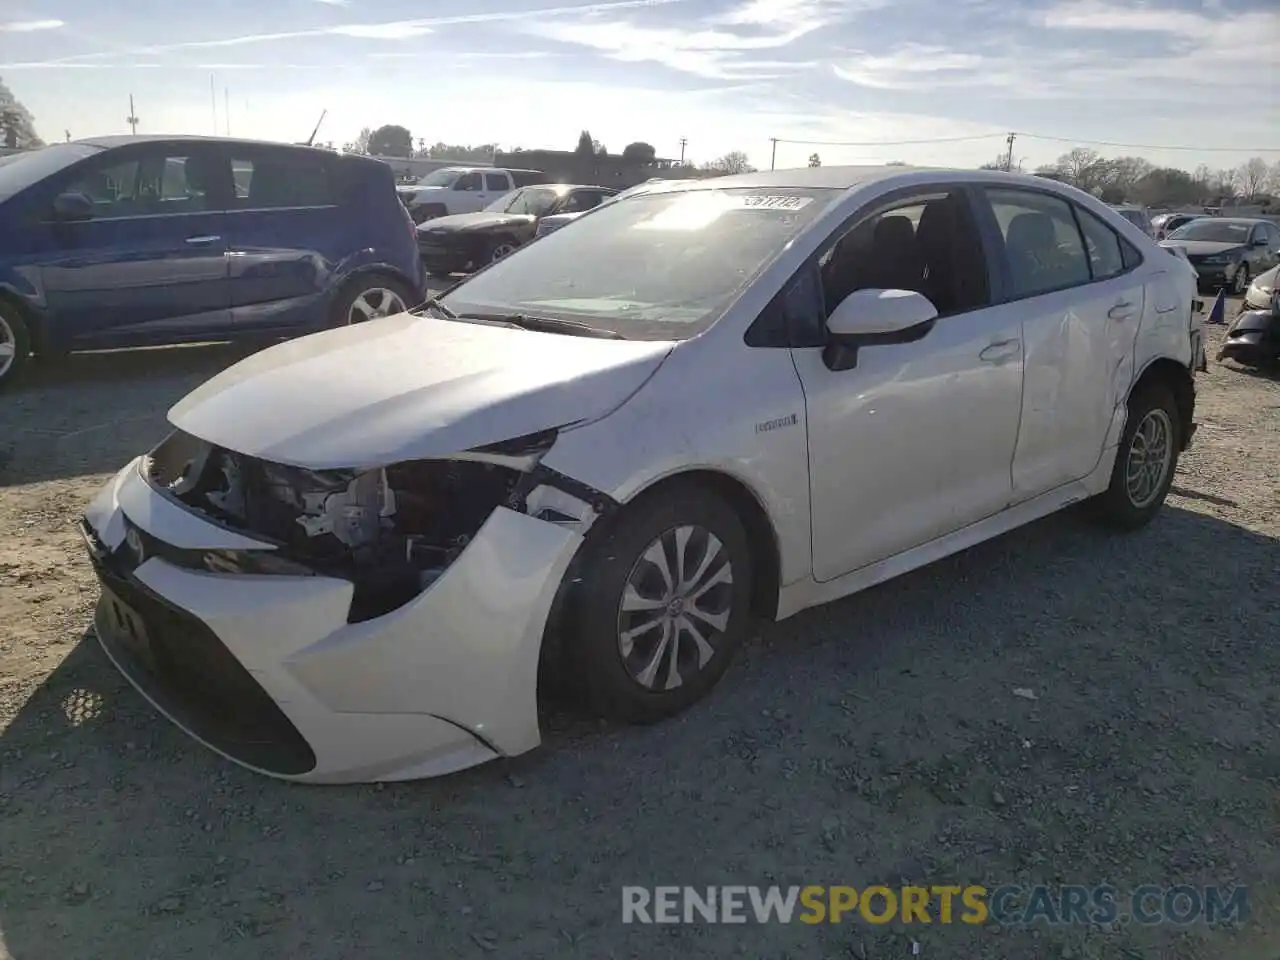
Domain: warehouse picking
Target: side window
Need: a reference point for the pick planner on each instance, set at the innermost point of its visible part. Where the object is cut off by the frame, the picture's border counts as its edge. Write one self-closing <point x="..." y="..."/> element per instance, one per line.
<point x="795" y="317"/>
<point x="527" y="178"/>
<point x="928" y="244"/>
<point x="1103" y="246"/>
<point x="151" y="186"/>
<point x="497" y="182"/>
<point x="581" y="200"/>
<point x="1129" y="254"/>
<point x="468" y="182"/>
<point x="263" y="181"/>
<point x="1042" y="246"/>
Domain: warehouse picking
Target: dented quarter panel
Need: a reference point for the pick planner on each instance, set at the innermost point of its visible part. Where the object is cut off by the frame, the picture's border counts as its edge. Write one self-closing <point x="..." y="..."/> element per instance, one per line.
<point x="700" y="411"/>
<point x="407" y="388"/>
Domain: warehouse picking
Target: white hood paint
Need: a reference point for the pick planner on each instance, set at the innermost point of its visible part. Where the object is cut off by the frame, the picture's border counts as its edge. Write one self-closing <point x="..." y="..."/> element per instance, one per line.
<point x="407" y="387"/>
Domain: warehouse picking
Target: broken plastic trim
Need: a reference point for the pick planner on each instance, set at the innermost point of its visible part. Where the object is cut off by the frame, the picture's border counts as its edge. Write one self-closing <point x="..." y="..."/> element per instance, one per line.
<point x="391" y="532"/>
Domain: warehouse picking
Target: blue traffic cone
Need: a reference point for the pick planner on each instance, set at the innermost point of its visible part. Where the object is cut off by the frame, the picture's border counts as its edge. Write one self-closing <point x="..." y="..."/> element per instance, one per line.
<point x="1219" y="312"/>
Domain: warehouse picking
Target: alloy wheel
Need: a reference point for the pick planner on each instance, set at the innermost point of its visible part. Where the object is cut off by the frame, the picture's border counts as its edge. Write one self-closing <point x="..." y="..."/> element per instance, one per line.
<point x="373" y="303"/>
<point x="8" y="346"/>
<point x="675" y="607"/>
<point x="1241" y="280"/>
<point x="1150" y="457"/>
<point x="504" y="249"/>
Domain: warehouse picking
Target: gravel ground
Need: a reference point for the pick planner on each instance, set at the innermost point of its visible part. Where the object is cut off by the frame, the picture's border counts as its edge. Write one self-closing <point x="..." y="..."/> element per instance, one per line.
<point x="875" y="740"/>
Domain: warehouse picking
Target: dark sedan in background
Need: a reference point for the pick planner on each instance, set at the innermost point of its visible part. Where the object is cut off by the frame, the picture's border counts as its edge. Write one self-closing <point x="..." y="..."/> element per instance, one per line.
<point x="1228" y="252"/>
<point x="469" y="241"/>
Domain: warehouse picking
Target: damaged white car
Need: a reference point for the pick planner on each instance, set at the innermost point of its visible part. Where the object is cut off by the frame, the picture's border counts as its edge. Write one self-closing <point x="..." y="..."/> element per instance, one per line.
<point x="601" y="457"/>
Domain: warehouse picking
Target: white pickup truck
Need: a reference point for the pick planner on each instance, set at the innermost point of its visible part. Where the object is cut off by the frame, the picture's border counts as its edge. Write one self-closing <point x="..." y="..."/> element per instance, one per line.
<point x="451" y="190"/>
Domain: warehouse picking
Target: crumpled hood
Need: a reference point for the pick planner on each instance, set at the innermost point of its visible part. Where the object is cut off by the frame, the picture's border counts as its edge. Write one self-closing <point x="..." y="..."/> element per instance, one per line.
<point x="409" y="387"/>
<point x="482" y="220"/>
<point x="1202" y="248"/>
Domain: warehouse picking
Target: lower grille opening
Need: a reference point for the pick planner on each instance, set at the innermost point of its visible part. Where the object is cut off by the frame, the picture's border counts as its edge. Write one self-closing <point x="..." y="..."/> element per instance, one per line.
<point x="195" y="679"/>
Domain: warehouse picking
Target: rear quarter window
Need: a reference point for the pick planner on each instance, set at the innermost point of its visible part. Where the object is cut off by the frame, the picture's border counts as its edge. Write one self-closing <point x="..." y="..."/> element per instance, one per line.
<point x="270" y="179"/>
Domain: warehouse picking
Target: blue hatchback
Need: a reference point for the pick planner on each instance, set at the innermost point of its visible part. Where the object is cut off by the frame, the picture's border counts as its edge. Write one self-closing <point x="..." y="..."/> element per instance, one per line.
<point x="139" y="241"/>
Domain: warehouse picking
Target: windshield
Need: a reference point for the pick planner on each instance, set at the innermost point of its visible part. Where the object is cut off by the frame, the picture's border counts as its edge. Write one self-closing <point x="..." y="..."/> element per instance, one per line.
<point x="22" y="170"/>
<point x="439" y="178"/>
<point x="653" y="267"/>
<point x="1220" y="231"/>
<point x="534" y="201"/>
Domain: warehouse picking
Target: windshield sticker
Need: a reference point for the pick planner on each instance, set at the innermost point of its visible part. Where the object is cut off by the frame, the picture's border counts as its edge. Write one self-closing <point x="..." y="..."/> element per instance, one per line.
<point x="776" y="203"/>
<point x="697" y="210"/>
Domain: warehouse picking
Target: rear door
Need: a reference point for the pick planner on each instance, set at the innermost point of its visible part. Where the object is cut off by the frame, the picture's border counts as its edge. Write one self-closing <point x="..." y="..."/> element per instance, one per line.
<point x="286" y="236"/>
<point x="150" y="264"/>
<point x="1069" y="279"/>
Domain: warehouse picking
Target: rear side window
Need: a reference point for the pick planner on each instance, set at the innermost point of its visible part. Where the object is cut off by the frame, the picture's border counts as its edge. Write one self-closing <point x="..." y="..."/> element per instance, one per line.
<point x="264" y="181"/>
<point x="497" y="182"/>
<point x="525" y="178"/>
<point x="1103" y="246"/>
<point x="1043" y="249"/>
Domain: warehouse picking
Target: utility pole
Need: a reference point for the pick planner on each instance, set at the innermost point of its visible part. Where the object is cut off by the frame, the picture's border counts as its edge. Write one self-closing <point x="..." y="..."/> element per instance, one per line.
<point x="773" y="157"/>
<point x="213" y="103"/>
<point x="1008" y="163"/>
<point x="132" y="119"/>
<point x="226" y="108"/>
<point x="684" y="142"/>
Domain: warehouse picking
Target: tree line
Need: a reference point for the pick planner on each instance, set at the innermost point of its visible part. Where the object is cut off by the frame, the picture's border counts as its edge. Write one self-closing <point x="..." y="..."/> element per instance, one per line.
<point x="1135" y="180"/>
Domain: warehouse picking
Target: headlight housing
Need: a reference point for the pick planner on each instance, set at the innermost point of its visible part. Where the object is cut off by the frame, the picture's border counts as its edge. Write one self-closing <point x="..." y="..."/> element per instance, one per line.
<point x="391" y="531"/>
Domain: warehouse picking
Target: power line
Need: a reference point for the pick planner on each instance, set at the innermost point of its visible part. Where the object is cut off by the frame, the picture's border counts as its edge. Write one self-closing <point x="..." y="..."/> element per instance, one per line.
<point x="1077" y="141"/>
<point x="1149" y="146"/>
<point x="883" y="143"/>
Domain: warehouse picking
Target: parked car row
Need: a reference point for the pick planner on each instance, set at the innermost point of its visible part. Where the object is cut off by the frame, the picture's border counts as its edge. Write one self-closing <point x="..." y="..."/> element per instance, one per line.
<point x="135" y="241"/>
<point x="604" y="454"/>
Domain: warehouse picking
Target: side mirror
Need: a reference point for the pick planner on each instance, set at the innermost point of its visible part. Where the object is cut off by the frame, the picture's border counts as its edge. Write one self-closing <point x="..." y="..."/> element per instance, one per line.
<point x="872" y="318"/>
<point x="72" y="207"/>
<point x="1259" y="242"/>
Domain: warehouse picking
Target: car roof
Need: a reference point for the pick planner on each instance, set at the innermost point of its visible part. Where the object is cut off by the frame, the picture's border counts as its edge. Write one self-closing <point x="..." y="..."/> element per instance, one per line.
<point x="125" y="139"/>
<point x="1240" y="220"/>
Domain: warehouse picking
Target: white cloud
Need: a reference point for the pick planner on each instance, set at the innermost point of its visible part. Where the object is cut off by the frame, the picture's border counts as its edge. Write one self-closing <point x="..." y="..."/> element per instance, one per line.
<point x="1098" y="15"/>
<point x="30" y="26"/>
<point x="335" y="3"/>
<point x="398" y="30"/>
<point x="910" y="66"/>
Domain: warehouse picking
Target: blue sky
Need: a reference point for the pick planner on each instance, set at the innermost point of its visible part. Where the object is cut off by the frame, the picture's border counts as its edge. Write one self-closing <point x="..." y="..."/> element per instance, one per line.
<point x="726" y="74"/>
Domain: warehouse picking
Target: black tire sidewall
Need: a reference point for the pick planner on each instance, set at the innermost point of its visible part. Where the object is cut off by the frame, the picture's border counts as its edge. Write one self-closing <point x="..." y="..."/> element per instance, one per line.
<point x="491" y="251"/>
<point x="22" y="345"/>
<point x="1119" y="509"/>
<point x="592" y="642"/>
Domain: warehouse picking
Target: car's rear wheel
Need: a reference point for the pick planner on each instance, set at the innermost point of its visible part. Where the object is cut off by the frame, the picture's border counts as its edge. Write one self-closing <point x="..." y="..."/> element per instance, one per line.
<point x="663" y="604"/>
<point x="15" y="344"/>
<point x="1146" y="459"/>
<point x="369" y="298"/>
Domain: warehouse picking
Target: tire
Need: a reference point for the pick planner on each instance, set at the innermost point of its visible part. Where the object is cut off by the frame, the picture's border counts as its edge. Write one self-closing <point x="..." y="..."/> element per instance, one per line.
<point x="500" y="248"/>
<point x="1240" y="282"/>
<point x="380" y="294"/>
<point x="614" y="568"/>
<point x="15" y="345"/>
<point x="1130" y="506"/>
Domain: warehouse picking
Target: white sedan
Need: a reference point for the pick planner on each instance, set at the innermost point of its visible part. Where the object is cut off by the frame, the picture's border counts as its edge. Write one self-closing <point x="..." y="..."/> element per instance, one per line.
<point x="603" y="456"/>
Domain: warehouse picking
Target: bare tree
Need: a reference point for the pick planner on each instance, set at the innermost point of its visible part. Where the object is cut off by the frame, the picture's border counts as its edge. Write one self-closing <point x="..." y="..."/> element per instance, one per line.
<point x="17" y="128"/>
<point x="732" y="162"/>
<point x="1080" y="167"/>
<point x="1251" y="177"/>
<point x="1273" y="179"/>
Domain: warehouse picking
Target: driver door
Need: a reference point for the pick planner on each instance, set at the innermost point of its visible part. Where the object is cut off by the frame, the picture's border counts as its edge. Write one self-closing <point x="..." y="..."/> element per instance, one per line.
<point x="916" y="440"/>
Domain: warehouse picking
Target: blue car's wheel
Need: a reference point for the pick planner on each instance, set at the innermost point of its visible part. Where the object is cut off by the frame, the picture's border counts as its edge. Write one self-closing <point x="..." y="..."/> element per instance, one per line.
<point x="15" y="344"/>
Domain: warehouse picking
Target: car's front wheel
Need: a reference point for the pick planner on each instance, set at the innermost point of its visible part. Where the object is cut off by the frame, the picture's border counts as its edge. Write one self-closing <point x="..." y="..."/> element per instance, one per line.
<point x="663" y="604"/>
<point x="15" y="345"/>
<point x="500" y="249"/>
<point x="1146" y="459"/>
<point x="1240" y="282"/>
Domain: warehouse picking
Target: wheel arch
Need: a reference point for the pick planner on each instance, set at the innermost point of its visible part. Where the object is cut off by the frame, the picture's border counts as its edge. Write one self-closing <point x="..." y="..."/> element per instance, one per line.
<point x="30" y="318"/>
<point x="1178" y="379"/>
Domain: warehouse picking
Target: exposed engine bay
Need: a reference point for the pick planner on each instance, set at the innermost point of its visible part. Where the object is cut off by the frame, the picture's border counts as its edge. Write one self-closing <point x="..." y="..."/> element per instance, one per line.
<point x="391" y="531"/>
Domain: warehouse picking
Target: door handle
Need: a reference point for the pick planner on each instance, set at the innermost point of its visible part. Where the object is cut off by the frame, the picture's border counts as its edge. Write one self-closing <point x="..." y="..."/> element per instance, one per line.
<point x="1121" y="311"/>
<point x="202" y="241"/>
<point x="1000" y="351"/>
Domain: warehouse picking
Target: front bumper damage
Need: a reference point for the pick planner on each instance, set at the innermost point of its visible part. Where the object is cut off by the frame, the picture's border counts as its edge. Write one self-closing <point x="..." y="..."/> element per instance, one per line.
<point x="269" y="658"/>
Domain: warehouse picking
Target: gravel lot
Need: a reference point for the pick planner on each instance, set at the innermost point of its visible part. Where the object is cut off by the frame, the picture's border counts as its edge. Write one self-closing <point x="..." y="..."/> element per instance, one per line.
<point x="875" y="740"/>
